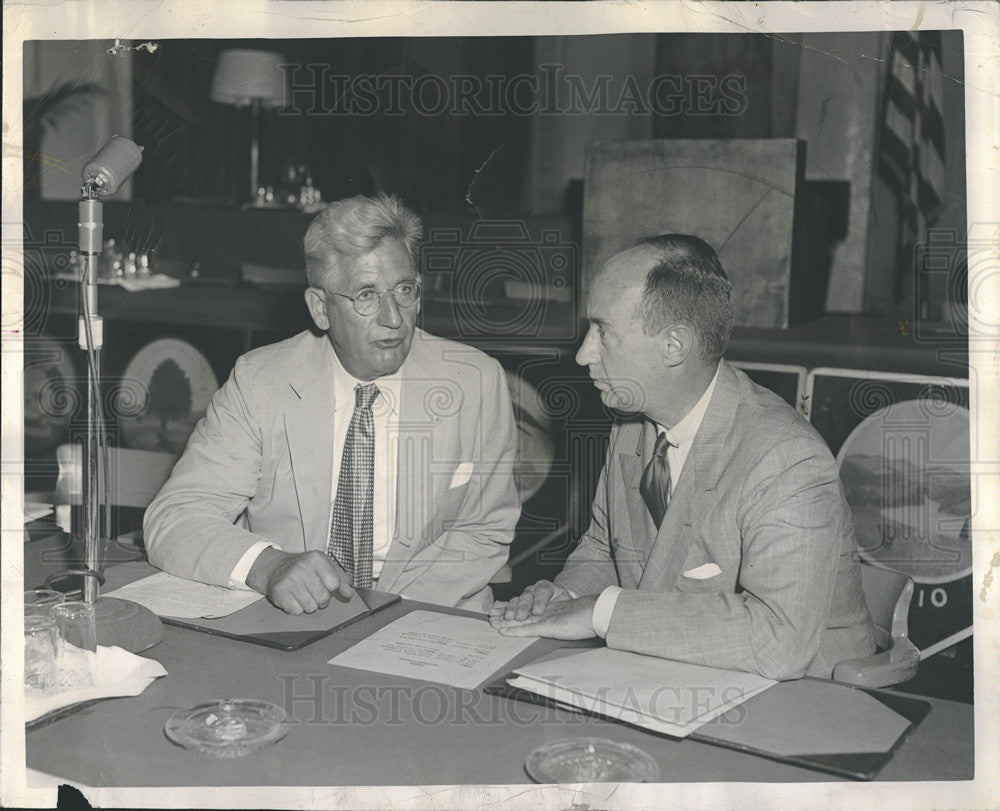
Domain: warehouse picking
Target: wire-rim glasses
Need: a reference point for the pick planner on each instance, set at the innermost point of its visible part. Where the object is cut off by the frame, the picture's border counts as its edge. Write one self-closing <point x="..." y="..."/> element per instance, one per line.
<point x="367" y="302"/>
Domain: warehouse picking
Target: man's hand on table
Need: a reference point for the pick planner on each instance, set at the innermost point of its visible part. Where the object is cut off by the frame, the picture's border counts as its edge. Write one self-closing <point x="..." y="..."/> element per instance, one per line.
<point x="533" y="600"/>
<point x="298" y="583"/>
<point x="545" y="609"/>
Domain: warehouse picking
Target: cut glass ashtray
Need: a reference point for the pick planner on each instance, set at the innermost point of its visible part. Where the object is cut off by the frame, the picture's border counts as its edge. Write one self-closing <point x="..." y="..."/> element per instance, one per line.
<point x="230" y="728"/>
<point x="591" y="760"/>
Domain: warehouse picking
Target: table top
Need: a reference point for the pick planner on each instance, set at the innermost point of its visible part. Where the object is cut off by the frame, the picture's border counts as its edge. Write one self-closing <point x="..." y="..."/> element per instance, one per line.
<point x="350" y="727"/>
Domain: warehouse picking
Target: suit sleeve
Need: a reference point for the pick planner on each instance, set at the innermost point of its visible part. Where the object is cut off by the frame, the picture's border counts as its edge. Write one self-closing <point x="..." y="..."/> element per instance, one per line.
<point x="460" y="562"/>
<point x="590" y="569"/>
<point x="792" y="521"/>
<point x="190" y="528"/>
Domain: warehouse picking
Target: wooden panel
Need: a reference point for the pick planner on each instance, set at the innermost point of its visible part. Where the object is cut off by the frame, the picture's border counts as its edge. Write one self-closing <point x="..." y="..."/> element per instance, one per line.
<point x="737" y="195"/>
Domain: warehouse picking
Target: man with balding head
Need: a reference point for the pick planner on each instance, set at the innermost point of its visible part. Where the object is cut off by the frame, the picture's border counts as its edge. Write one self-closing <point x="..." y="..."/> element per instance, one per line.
<point x="366" y="453"/>
<point x="720" y="534"/>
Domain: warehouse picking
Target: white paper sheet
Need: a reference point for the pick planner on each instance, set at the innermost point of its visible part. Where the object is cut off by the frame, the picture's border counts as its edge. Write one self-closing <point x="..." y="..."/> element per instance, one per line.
<point x="169" y="596"/>
<point x="674" y="698"/>
<point x="460" y="651"/>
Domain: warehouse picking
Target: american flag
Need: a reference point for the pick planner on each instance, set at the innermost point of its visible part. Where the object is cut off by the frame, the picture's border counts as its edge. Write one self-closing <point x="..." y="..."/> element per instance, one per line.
<point x="912" y="150"/>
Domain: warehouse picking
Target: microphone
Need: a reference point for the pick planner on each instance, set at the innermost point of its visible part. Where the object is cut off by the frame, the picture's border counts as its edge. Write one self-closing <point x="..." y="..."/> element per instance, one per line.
<point x="111" y="166"/>
<point x="118" y="622"/>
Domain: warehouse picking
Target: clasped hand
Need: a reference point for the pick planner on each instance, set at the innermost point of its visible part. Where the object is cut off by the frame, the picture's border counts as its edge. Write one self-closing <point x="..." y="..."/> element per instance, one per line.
<point x="545" y="609"/>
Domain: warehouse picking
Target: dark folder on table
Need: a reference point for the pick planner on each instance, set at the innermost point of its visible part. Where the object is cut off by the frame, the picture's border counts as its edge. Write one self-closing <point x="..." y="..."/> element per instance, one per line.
<point x="263" y="624"/>
<point x="812" y="723"/>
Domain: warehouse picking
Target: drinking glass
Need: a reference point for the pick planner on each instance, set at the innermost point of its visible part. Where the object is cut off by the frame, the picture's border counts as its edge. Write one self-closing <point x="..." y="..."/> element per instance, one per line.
<point x="41" y="601"/>
<point x="77" y="646"/>
<point x="40" y="645"/>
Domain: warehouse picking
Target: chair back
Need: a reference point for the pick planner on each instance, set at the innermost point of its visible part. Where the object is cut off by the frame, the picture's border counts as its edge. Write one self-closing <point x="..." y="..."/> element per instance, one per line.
<point x="135" y="476"/>
<point x="887" y="594"/>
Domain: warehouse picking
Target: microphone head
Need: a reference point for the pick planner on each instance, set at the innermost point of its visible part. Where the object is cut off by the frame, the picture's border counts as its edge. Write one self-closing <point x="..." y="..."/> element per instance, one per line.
<point x="112" y="165"/>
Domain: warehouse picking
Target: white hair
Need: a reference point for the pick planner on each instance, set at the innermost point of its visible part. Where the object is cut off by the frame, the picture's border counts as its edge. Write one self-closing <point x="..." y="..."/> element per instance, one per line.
<point x="355" y="226"/>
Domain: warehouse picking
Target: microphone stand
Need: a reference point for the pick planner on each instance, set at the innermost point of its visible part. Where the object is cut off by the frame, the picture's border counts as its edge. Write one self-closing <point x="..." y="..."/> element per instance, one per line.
<point x="91" y="339"/>
<point x="122" y="623"/>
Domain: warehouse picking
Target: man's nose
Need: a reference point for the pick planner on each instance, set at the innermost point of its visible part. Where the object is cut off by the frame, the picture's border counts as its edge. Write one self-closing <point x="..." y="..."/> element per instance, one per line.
<point x="388" y="311"/>
<point x="585" y="354"/>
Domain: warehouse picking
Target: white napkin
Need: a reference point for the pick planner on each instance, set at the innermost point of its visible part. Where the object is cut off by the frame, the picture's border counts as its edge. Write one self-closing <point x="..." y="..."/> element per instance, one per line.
<point x="116" y="673"/>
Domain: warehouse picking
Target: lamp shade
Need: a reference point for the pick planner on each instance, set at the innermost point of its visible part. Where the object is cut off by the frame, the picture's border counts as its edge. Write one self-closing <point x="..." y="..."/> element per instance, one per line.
<point x="243" y="76"/>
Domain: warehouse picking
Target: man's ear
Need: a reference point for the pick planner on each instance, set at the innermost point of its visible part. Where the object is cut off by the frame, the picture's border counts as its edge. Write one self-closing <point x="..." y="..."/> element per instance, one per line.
<point x="316" y="302"/>
<point x="676" y="344"/>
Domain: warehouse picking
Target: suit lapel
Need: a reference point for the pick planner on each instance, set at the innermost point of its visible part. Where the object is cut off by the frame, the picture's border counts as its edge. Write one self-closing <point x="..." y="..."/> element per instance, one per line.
<point x="413" y="460"/>
<point x="694" y="493"/>
<point x="632" y="462"/>
<point x="423" y="445"/>
<point x="309" y="431"/>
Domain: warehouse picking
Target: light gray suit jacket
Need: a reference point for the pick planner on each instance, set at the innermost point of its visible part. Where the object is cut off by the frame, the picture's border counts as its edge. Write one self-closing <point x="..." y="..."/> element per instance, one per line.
<point x="259" y="467"/>
<point x="759" y="496"/>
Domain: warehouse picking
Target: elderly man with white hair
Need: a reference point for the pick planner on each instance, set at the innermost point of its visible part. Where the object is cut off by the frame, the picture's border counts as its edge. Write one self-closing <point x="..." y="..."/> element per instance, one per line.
<point x="365" y="453"/>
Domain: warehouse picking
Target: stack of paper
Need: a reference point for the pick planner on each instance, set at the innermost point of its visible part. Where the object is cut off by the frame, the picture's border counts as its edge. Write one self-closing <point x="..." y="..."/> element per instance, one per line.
<point x="674" y="698"/>
<point x="169" y="596"/>
<point x="426" y="645"/>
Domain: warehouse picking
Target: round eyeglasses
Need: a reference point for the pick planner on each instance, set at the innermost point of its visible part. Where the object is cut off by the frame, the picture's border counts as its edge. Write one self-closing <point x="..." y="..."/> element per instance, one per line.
<point x="367" y="302"/>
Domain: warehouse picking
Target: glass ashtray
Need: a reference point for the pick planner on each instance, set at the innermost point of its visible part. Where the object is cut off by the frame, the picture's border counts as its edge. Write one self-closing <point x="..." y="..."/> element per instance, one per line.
<point x="230" y="728"/>
<point x="591" y="760"/>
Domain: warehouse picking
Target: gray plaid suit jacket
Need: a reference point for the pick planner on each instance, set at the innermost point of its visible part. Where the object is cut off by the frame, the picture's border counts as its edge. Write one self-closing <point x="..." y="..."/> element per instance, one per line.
<point x="259" y="467"/>
<point x="759" y="496"/>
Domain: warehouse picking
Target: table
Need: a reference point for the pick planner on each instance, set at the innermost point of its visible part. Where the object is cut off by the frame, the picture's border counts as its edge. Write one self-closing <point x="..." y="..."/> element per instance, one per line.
<point x="356" y="728"/>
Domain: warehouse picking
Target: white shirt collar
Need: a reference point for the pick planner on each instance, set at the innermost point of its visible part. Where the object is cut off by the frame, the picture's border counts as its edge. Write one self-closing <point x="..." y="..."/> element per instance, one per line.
<point x="684" y="431"/>
<point x="344" y="384"/>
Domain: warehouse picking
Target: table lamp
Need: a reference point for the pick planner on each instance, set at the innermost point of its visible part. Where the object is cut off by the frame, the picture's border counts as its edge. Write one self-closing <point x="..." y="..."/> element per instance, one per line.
<point x="249" y="78"/>
<point x="118" y="622"/>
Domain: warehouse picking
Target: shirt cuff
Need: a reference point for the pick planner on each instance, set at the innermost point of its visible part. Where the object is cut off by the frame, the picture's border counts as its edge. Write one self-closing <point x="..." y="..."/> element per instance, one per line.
<point x="603" y="608"/>
<point x="238" y="576"/>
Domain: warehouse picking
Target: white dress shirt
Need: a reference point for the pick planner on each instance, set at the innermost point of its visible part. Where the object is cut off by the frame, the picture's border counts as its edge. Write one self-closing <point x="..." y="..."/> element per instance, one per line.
<point x="681" y="437"/>
<point x="385" y="410"/>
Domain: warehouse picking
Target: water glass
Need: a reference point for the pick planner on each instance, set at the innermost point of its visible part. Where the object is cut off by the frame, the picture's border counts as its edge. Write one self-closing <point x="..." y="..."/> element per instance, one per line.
<point x="40" y="646"/>
<point x="77" y="645"/>
<point x="41" y="601"/>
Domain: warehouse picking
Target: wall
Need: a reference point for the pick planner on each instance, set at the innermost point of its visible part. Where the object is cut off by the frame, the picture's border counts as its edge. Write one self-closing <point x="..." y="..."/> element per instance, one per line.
<point x="839" y="89"/>
<point x="81" y="127"/>
<point x="558" y="141"/>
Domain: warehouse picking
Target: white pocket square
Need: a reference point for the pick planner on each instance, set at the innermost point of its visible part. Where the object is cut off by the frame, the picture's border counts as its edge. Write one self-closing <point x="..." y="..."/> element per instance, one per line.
<point x="462" y="474"/>
<point x="703" y="572"/>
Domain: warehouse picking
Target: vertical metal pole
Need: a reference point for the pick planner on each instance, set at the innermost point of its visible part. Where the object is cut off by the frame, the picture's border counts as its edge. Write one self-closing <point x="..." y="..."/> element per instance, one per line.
<point x="254" y="147"/>
<point x="91" y="339"/>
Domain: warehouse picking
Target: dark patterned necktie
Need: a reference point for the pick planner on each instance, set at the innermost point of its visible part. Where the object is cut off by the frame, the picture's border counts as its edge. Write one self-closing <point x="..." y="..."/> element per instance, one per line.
<point x="655" y="484"/>
<point x="351" y="528"/>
